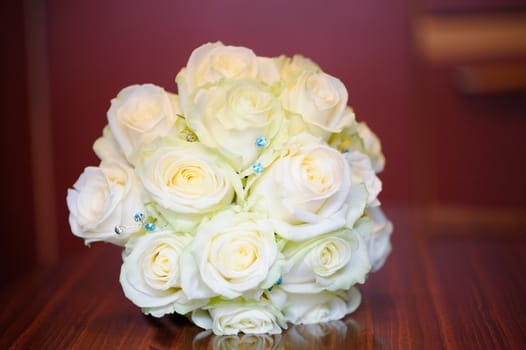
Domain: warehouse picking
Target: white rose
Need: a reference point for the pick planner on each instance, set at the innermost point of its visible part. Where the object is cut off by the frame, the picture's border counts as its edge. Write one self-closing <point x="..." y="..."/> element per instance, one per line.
<point x="233" y="254"/>
<point x="291" y="68"/>
<point x="232" y="116"/>
<point x="212" y="62"/>
<point x="107" y="149"/>
<point x="309" y="191"/>
<point x="321" y="100"/>
<point x="358" y="137"/>
<point x="103" y="198"/>
<point x="378" y="239"/>
<point x="319" y="307"/>
<point x="316" y="335"/>
<point x="249" y="317"/>
<point x="140" y="114"/>
<point x="247" y="341"/>
<point x="363" y="172"/>
<point x="207" y="340"/>
<point x="372" y="147"/>
<point x="268" y="71"/>
<point x="150" y="274"/>
<point x="333" y="261"/>
<point x="187" y="181"/>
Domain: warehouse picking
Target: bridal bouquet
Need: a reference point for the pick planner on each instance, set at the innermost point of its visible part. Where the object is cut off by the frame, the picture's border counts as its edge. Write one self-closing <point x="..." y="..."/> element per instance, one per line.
<point x="245" y="202"/>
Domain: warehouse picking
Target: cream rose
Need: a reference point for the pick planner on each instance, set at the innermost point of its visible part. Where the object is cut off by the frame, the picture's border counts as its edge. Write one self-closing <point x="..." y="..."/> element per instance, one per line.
<point x="187" y="181"/>
<point x="247" y="341"/>
<point x="249" y="317"/>
<point x="213" y="62"/>
<point x="150" y="274"/>
<point x="309" y="191"/>
<point x="233" y="254"/>
<point x="107" y="149"/>
<point x="316" y="335"/>
<point x="360" y="138"/>
<point x="362" y="172"/>
<point x="317" y="308"/>
<point x="205" y="340"/>
<point x="140" y="114"/>
<point x="104" y="197"/>
<point x="321" y="100"/>
<point x="378" y="239"/>
<point x="231" y="117"/>
<point x="333" y="261"/>
<point x="372" y="146"/>
<point x="291" y="67"/>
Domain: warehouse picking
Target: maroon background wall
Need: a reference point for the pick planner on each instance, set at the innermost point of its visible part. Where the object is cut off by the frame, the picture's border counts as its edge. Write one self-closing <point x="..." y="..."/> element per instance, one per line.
<point x="442" y="148"/>
<point x="17" y="247"/>
<point x="479" y="144"/>
<point x="98" y="48"/>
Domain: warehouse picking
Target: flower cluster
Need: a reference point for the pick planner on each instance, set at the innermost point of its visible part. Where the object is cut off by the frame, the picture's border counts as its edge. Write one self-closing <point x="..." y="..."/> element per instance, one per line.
<point x="245" y="202"/>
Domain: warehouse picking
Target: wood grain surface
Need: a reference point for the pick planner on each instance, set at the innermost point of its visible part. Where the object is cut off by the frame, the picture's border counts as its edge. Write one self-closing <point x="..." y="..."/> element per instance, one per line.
<point x="442" y="288"/>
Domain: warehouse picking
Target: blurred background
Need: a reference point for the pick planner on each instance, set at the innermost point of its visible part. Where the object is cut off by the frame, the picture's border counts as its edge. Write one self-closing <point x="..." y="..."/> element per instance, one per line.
<point x="442" y="83"/>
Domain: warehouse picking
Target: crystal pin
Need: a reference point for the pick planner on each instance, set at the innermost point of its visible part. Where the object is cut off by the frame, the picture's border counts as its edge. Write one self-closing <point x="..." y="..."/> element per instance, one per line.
<point x="261" y="142"/>
<point x="258" y="168"/>
<point x="139" y="219"/>
<point x="277" y="283"/>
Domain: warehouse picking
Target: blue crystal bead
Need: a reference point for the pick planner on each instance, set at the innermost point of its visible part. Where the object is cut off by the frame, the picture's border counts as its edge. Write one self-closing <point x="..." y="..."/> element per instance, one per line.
<point x="150" y="226"/>
<point x="261" y="142"/>
<point x="258" y="168"/>
<point x="138" y="217"/>
<point x="279" y="281"/>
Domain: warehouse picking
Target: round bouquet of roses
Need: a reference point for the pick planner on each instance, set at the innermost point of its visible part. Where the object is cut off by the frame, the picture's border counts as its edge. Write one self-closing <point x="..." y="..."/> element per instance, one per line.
<point x="247" y="201"/>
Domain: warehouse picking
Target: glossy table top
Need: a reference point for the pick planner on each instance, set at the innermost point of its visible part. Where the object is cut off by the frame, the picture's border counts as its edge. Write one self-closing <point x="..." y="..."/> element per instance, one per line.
<point x="442" y="287"/>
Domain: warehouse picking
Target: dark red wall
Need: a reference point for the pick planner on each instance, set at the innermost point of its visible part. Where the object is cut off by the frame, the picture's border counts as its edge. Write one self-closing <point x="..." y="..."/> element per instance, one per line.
<point x="479" y="143"/>
<point x="18" y="246"/>
<point x="98" y="47"/>
<point x="442" y="148"/>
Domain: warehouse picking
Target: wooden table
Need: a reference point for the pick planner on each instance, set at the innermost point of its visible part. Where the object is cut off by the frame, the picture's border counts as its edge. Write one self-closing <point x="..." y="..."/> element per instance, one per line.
<point x="441" y="288"/>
